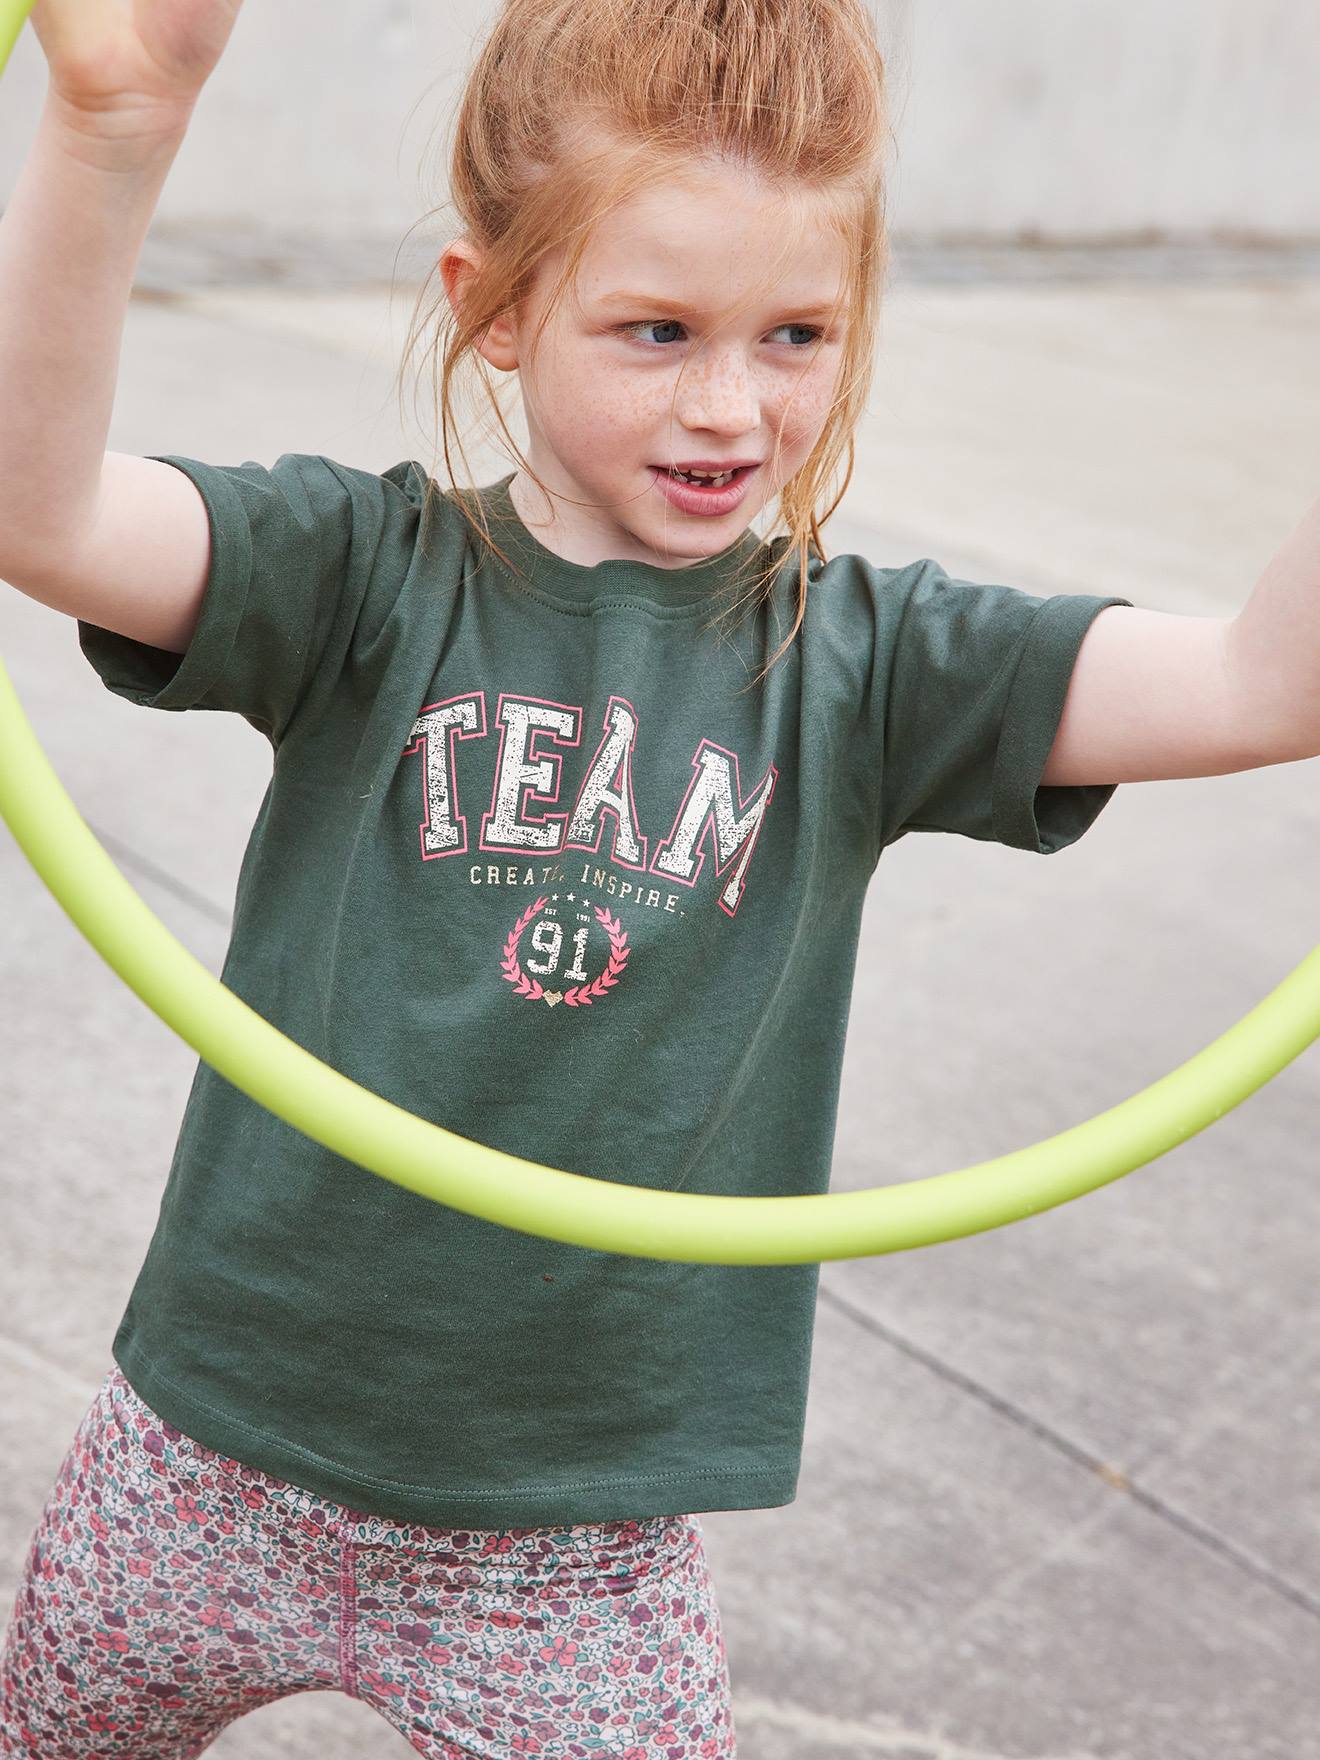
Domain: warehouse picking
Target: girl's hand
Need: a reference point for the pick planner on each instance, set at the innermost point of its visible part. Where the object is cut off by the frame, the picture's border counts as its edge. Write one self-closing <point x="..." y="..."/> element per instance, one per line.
<point x="136" y="66"/>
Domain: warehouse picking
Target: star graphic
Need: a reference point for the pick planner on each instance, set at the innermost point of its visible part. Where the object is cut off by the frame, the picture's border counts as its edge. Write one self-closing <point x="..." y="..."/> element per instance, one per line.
<point x="554" y="898"/>
<point x="570" y="898"/>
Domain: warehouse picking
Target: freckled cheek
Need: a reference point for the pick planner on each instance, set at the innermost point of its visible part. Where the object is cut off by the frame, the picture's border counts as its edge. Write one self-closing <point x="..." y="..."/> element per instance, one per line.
<point x="800" y="416"/>
<point x="608" y="407"/>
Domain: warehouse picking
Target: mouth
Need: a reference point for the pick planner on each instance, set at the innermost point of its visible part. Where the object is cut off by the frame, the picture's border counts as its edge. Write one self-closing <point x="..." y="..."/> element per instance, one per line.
<point x="698" y="497"/>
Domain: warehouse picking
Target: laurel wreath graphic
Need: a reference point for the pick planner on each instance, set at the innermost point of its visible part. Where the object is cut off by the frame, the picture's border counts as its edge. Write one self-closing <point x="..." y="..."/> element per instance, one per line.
<point x="581" y="995"/>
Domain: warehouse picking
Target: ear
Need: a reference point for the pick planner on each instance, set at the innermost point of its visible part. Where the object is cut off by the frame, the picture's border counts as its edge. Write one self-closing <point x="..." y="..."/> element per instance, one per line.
<point x="499" y="344"/>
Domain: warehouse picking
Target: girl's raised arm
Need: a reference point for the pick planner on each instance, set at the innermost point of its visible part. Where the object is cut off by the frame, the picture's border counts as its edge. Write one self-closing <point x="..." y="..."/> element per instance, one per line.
<point x="121" y="542"/>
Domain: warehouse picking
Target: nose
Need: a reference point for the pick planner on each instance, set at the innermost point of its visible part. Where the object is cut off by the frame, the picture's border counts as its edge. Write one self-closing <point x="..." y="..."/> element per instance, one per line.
<point x="718" y="393"/>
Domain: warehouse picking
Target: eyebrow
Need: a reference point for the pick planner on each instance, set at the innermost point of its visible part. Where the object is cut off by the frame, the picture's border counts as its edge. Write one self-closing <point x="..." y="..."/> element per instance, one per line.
<point x="652" y="302"/>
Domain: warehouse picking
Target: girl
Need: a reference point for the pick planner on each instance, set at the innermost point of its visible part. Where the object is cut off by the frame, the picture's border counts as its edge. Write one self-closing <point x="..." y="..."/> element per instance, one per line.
<point x="577" y="788"/>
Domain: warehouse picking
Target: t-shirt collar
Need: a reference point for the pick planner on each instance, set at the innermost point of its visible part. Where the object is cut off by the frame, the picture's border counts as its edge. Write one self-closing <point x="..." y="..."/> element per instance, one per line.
<point x="685" y="587"/>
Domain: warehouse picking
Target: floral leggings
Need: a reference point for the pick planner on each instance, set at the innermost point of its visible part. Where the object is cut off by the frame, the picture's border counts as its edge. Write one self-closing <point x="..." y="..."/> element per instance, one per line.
<point x="169" y="1589"/>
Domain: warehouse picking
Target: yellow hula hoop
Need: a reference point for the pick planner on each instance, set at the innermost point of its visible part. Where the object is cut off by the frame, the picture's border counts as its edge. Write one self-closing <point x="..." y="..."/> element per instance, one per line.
<point x="609" y="1216"/>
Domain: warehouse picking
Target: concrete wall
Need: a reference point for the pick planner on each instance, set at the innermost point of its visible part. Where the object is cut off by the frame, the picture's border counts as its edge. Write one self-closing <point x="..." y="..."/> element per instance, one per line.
<point x="1079" y="119"/>
<point x="1092" y="118"/>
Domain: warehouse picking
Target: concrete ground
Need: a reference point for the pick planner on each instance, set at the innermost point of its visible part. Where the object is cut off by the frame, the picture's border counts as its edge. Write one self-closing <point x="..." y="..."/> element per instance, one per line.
<point x="1060" y="1488"/>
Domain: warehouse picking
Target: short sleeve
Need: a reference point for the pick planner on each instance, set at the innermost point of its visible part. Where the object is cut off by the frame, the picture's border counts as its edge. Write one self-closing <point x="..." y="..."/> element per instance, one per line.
<point x="296" y="549"/>
<point x="974" y="691"/>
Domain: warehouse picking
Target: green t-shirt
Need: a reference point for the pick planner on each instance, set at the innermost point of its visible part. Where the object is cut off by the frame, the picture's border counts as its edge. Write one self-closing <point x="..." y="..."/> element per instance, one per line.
<point x="535" y="864"/>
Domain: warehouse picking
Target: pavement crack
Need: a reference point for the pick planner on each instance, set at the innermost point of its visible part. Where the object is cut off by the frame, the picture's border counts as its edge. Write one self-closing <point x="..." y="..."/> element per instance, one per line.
<point x="1108" y="1472"/>
<point x="131" y="858"/>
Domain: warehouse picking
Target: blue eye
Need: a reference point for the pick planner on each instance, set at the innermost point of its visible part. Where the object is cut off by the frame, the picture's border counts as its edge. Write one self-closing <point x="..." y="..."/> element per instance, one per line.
<point x="672" y="323"/>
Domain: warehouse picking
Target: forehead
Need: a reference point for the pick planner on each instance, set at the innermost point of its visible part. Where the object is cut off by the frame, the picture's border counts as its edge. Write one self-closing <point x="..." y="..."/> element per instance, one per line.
<point x="715" y="236"/>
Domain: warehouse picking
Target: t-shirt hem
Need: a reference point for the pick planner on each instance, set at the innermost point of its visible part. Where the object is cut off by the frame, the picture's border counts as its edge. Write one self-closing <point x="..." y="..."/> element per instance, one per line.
<point x="603" y="1500"/>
